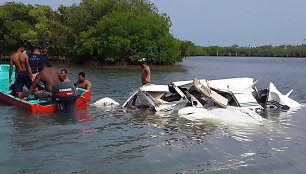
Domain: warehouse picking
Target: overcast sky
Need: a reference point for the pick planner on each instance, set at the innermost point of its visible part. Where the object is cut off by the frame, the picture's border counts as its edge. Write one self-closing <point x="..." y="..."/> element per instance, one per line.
<point x="228" y="22"/>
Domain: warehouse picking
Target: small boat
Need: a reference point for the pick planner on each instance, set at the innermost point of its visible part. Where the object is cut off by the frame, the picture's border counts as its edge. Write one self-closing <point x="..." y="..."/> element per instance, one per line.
<point x="38" y="105"/>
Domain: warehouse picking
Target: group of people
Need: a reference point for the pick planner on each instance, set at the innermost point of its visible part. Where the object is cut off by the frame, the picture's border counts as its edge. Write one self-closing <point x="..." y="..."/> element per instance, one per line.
<point x="32" y="68"/>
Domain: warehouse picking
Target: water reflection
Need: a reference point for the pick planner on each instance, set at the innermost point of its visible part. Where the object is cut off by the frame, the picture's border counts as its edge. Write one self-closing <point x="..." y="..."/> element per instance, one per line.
<point x="25" y="121"/>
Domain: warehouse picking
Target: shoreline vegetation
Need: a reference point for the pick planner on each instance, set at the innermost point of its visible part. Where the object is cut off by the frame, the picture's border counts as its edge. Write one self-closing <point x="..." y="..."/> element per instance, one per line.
<point x="109" y="32"/>
<point x="298" y="51"/>
<point x="96" y="31"/>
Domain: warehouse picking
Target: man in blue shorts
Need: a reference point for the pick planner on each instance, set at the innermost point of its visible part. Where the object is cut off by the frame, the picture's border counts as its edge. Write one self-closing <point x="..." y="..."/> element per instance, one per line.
<point x="23" y="73"/>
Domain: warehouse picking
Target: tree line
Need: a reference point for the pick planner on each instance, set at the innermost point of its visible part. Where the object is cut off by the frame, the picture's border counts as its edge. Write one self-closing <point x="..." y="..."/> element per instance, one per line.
<point x="109" y="32"/>
<point x="190" y="49"/>
<point x="99" y="31"/>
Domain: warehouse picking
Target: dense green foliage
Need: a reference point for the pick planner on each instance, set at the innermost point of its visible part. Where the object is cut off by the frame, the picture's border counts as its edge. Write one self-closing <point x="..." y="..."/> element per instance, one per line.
<point x="109" y="32"/>
<point x="100" y="31"/>
<point x="14" y="21"/>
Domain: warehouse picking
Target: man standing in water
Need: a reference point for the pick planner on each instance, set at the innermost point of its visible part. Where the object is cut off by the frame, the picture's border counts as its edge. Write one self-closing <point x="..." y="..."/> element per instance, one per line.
<point x="146" y="73"/>
<point x="23" y="71"/>
<point x="82" y="82"/>
<point x="64" y="75"/>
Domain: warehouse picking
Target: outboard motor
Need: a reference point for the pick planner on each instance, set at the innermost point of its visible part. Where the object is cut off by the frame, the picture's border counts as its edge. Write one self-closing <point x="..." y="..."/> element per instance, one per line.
<point x="65" y="95"/>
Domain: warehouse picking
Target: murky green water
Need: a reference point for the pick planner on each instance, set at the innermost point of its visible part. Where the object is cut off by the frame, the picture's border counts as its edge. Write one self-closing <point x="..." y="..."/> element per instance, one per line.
<point x="115" y="141"/>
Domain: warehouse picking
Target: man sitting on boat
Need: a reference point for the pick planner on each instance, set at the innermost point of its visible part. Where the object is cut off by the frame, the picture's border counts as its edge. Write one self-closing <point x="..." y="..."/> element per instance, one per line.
<point x="23" y="71"/>
<point x="49" y="76"/>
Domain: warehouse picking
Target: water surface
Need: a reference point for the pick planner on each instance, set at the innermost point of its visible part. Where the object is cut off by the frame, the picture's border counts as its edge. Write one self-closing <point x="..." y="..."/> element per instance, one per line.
<point x="115" y="141"/>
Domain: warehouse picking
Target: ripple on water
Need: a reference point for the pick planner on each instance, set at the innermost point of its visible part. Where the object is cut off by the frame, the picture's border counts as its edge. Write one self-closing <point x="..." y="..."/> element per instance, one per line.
<point x="117" y="141"/>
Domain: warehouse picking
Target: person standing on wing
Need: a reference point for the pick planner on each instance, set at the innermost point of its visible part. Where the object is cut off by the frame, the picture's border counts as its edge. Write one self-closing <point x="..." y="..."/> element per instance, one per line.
<point x="146" y="72"/>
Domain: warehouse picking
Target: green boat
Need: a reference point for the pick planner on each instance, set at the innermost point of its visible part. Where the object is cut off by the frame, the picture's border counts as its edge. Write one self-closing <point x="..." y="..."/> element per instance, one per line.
<point x="38" y="105"/>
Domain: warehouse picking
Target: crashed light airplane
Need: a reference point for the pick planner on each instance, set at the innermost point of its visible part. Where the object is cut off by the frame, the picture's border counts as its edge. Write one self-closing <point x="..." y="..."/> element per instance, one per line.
<point x="234" y="99"/>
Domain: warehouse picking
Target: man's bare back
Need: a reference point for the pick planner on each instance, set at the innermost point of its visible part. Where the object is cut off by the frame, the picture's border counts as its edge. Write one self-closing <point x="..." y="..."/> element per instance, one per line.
<point x="21" y="62"/>
<point x="146" y="74"/>
<point x="49" y="76"/>
<point x="23" y="73"/>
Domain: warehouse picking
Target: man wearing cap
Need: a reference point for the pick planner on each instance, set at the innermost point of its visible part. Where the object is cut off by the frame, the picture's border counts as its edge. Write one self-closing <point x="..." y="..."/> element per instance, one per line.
<point x="146" y="73"/>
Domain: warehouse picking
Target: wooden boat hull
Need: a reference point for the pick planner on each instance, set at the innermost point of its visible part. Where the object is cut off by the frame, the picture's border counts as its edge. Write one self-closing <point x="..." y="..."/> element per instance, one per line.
<point x="34" y="105"/>
<point x="48" y="106"/>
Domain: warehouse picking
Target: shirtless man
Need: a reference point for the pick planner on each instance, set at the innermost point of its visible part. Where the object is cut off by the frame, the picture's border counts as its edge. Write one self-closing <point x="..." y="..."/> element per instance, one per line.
<point x="82" y="82"/>
<point x="49" y="76"/>
<point x="64" y="75"/>
<point x="146" y="73"/>
<point x="23" y="73"/>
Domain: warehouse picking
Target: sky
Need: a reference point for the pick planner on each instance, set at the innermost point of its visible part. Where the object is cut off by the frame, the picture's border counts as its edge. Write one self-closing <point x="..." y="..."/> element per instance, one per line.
<point x="228" y="22"/>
